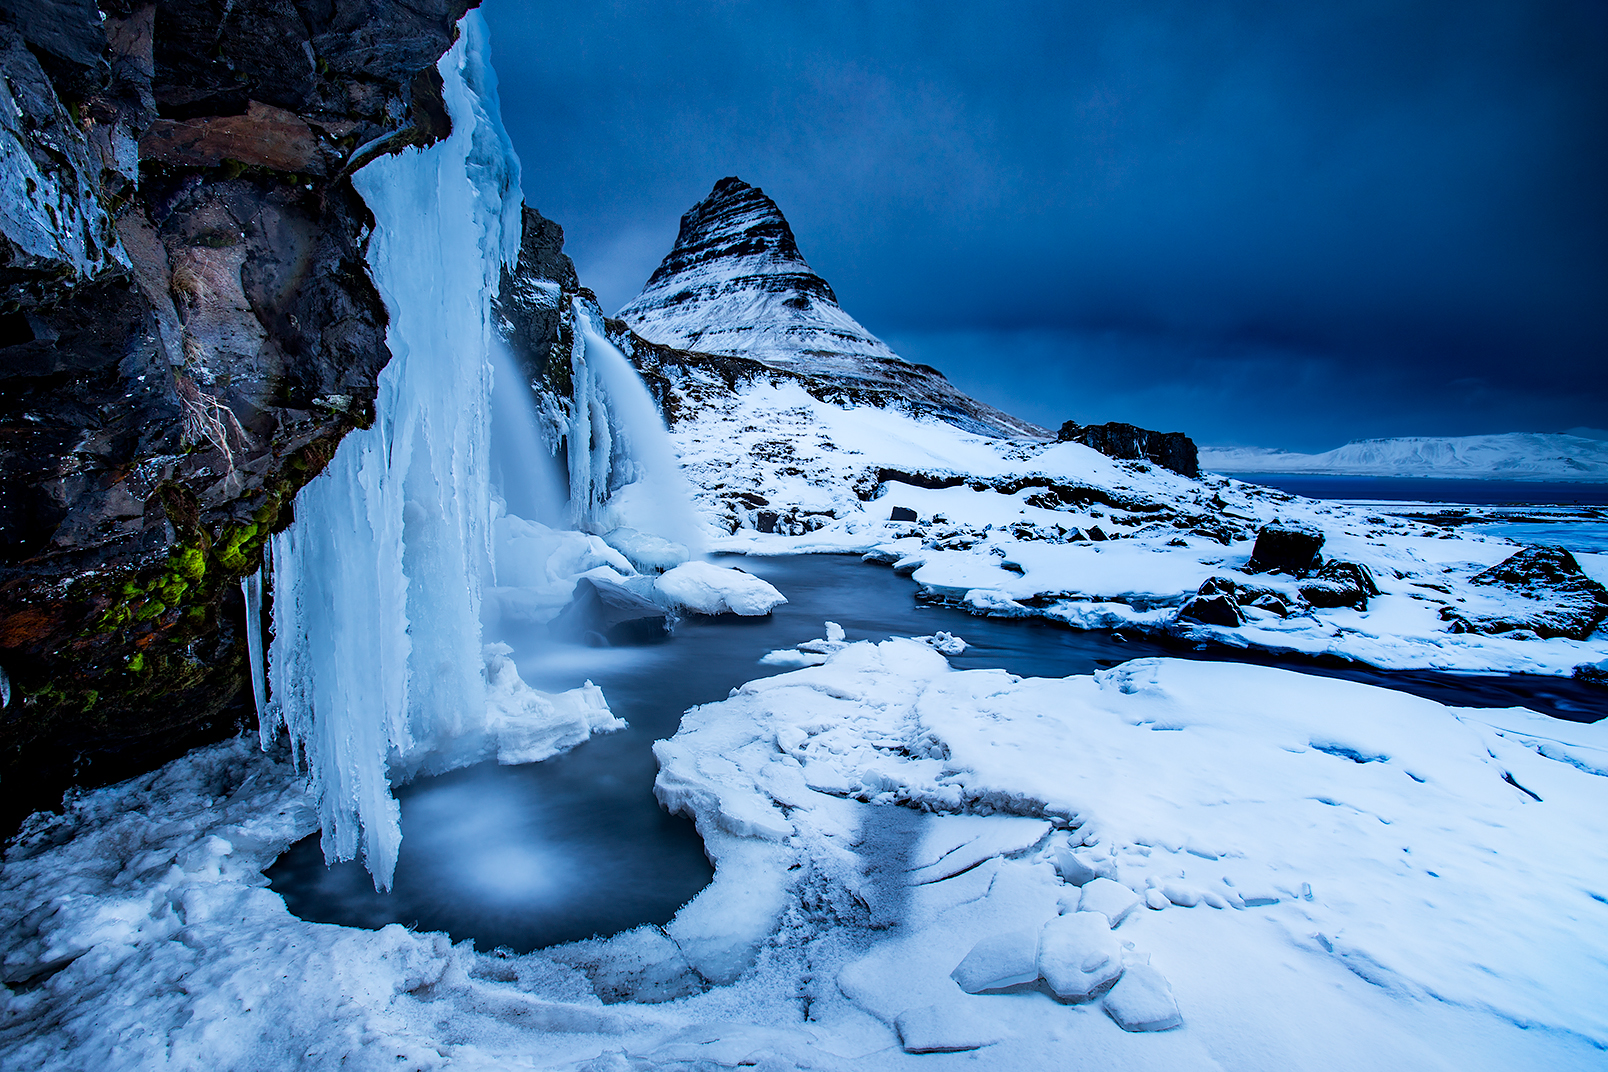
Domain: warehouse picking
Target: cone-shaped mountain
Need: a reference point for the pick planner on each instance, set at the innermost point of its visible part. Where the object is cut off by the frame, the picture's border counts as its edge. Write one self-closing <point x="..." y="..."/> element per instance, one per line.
<point x="736" y="284"/>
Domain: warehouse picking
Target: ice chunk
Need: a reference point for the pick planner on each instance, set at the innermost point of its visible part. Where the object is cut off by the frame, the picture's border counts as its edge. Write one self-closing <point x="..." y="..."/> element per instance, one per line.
<point x="1181" y="895"/>
<point x="945" y="643"/>
<point x="1143" y="1000"/>
<point x="646" y="551"/>
<point x="1078" y="955"/>
<point x="708" y="589"/>
<point x="791" y="657"/>
<point x="1073" y="870"/>
<point x="526" y="725"/>
<point x="834" y="632"/>
<point x="639" y="965"/>
<point x="1001" y="960"/>
<point x="943" y="1029"/>
<point x="1156" y="899"/>
<point x="1111" y="899"/>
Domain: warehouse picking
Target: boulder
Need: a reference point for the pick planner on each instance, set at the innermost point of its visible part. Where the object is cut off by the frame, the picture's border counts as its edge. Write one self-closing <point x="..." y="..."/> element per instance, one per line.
<point x="902" y="513"/>
<point x="1286" y="547"/>
<point x="1215" y="609"/>
<point x="1545" y="592"/>
<point x="605" y="614"/>
<point x="1340" y="584"/>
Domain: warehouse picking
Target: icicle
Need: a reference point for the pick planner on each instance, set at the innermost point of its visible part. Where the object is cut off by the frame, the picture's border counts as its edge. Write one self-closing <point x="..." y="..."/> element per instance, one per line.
<point x="251" y="590"/>
<point x="376" y="653"/>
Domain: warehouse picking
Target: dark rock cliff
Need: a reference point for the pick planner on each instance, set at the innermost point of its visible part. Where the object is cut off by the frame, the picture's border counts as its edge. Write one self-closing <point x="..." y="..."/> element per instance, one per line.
<point x="1170" y="450"/>
<point x="187" y="329"/>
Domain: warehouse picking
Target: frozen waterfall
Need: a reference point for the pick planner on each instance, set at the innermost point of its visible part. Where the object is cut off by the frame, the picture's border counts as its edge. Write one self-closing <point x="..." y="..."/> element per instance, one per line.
<point x="376" y="653"/>
<point x="624" y="472"/>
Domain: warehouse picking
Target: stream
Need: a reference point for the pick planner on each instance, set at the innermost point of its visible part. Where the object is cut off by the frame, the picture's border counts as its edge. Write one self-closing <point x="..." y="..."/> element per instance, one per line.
<point x="528" y="856"/>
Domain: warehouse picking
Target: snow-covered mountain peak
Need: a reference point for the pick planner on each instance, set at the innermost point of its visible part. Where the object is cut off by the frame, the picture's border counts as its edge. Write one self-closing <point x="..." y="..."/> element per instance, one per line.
<point x="736" y="284"/>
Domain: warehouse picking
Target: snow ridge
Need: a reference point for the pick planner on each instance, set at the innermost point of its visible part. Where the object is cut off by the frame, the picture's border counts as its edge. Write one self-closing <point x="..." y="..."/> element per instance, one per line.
<point x="1511" y="456"/>
<point x="736" y="284"/>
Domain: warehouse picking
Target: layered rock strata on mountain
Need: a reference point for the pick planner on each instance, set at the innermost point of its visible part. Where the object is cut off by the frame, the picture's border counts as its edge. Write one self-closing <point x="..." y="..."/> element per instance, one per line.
<point x="187" y="329"/>
<point x="1170" y="450"/>
<point x="736" y="302"/>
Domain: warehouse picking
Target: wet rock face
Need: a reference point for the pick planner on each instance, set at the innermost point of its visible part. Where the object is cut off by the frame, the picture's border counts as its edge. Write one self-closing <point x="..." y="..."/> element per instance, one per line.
<point x="187" y="329"/>
<point x="1545" y="592"/>
<point x="1170" y="450"/>
<point x="1286" y="547"/>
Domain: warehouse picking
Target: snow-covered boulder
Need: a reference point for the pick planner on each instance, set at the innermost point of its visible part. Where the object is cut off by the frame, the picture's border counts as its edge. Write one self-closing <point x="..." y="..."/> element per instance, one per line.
<point x="647" y="552"/>
<point x="704" y="588"/>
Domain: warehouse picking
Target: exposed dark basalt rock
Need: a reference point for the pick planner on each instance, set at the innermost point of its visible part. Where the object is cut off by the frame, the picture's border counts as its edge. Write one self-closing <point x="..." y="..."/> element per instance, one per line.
<point x="1549" y="595"/>
<point x="1340" y="584"/>
<point x="1213" y="609"/>
<point x="1286" y="547"/>
<point x="187" y="329"/>
<point x="605" y="614"/>
<point x="1170" y="450"/>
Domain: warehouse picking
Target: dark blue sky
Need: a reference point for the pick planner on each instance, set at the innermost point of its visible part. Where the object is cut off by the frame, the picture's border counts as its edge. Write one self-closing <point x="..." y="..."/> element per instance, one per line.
<point x="1264" y="223"/>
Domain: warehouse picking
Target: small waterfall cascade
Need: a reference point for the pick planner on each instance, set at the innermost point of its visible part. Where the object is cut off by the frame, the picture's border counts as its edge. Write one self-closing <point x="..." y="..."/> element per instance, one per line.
<point x="623" y="470"/>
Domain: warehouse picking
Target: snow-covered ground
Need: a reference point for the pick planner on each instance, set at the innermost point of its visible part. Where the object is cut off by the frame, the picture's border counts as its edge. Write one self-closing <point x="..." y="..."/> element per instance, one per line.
<point x="1007" y="538"/>
<point x="1318" y="874"/>
<point x="1510" y="456"/>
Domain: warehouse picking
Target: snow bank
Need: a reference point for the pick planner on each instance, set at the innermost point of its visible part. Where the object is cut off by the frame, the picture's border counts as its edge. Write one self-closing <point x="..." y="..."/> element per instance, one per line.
<point x="1335" y="876"/>
<point x="1355" y="857"/>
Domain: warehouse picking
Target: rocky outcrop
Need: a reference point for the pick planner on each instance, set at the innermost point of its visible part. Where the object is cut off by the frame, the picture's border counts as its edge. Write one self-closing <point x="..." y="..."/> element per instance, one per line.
<point x="1340" y="584"/>
<point x="1170" y="450"/>
<point x="1286" y="547"/>
<point x="735" y="302"/>
<point x="1543" y="591"/>
<point x="187" y="329"/>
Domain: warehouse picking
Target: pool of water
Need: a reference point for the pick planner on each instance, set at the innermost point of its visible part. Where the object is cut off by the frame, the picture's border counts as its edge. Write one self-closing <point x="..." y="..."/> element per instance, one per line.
<point x="529" y="856"/>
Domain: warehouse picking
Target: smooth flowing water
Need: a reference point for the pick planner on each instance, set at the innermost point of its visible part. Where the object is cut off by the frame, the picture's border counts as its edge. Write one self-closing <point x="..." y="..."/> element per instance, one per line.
<point x="529" y="856"/>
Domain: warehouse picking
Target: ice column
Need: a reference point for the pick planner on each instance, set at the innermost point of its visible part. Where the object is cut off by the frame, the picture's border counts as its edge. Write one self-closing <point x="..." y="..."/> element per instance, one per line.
<point x="376" y="650"/>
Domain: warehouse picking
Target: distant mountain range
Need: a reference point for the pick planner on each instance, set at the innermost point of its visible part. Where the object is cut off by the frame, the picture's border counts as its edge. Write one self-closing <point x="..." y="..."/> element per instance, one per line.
<point x="1511" y="456"/>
